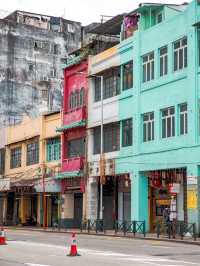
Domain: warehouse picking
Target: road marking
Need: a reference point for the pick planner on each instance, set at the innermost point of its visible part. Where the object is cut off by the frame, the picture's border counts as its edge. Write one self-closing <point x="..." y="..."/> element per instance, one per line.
<point x="32" y="264"/>
<point x="157" y="261"/>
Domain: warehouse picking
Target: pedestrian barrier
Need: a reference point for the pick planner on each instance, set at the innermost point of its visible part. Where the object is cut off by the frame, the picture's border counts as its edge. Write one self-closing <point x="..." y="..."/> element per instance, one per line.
<point x="93" y="225"/>
<point x="73" y="248"/>
<point x="2" y="237"/>
<point x="130" y="227"/>
<point x="175" y="229"/>
<point x="124" y="227"/>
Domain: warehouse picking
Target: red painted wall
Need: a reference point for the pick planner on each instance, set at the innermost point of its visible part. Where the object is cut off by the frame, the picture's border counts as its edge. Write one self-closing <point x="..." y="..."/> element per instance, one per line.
<point x="73" y="80"/>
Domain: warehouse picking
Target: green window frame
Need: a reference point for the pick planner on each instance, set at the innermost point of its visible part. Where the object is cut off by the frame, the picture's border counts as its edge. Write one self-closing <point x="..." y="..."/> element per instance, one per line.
<point x="127" y="70"/>
<point x="127" y="132"/>
<point x="53" y="149"/>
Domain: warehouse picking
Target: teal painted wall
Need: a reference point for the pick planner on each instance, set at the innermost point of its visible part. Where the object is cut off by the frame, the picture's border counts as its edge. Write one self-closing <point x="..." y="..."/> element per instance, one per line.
<point x="171" y="90"/>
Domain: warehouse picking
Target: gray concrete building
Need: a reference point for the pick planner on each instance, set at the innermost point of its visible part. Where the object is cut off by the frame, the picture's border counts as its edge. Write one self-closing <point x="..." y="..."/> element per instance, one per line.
<point x="32" y="48"/>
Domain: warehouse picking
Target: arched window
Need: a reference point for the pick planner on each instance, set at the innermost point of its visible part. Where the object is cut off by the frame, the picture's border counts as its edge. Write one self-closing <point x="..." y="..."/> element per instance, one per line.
<point x="76" y="100"/>
<point x="71" y="100"/>
<point x="82" y="100"/>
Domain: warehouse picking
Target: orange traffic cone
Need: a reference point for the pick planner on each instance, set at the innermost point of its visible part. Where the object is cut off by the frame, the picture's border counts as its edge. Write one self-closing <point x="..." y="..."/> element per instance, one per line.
<point x="2" y="237"/>
<point x="73" y="250"/>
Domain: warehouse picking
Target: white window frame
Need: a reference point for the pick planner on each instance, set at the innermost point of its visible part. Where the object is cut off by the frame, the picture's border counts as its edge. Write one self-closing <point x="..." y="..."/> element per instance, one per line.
<point x="181" y="49"/>
<point x="149" y="127"/>
<point x="169" y="122"/>
<point x="164" y="58"/>
<point x="148" y="67"/>
<point x="183" y="114"/>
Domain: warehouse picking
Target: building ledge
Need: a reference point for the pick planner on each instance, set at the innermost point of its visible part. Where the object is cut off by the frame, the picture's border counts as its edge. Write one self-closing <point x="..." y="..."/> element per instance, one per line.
<point x="80" y="123"/>
<point x="69" y="174"/>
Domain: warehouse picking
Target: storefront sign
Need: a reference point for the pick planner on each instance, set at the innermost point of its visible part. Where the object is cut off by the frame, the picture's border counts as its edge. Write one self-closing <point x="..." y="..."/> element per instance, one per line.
<point x="174" y="188"/>
<point x="4" y="184"/>
<point x="192" y="199"/>
<point x="50" y="185"/>
<point x="192" y="180"/>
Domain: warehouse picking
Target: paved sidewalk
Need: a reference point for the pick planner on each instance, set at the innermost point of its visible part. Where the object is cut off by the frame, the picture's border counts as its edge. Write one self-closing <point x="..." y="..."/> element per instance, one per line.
<point x="110" y="233"/>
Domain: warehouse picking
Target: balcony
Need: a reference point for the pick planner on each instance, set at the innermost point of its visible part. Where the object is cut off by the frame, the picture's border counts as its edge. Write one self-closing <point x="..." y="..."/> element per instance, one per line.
<point x="74" y="116"/>
<point x="73" y="164"/>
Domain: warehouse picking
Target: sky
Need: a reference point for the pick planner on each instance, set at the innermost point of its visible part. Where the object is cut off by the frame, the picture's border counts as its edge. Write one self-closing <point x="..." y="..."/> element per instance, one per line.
<point x="85" y="11"/>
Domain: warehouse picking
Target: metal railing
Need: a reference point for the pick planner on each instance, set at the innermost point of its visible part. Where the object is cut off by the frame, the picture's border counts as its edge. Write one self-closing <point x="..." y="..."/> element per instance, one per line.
<point x="93" y="225"/>
<point x="176" y="229"/>
<point x="130" y="227"/>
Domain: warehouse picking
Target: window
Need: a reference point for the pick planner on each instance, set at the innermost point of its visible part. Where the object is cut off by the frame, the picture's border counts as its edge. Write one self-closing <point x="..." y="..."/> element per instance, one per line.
<point x="168" y="122"/>
<point x="159" y="18"/>
<point x="32" y="153"/>
<point x="2" y="161"/>
<point x="111" y="86"/>
<point x="148" y="67"/>
<point x="77" y="99"/>
<point x="111" y="138"/>
<point x="53" y="149"/>
<point x="183" y="119"/>
<point x="76" y="147"/>
<point x="198" y="36"/>
<point x="81" y="97"/>
<point x="97" y="89"/>
<point x="127" y="132"/>
<point x="15" y="157"/>
<point x="180" y="54"/>
<point x="128" y="76"/>
<point x="148" y="126"/>
<point x="163" y="61"/>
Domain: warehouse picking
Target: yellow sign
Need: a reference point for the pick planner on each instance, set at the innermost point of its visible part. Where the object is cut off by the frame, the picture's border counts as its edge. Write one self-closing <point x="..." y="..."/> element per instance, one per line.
<point x="192" y="199"/>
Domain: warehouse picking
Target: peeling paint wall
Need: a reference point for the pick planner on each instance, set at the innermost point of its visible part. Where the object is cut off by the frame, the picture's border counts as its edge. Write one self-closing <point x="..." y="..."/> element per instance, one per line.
<point x="31" y="77"/>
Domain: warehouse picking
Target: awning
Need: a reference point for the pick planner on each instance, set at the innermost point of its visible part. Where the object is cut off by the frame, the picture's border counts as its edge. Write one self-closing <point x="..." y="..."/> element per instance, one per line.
<point x="81" y="123"/>
<point x="50" y="185"/>
<point x="26" y="178"/>
<point x="69" y="174"/>
<point x="4" y="184"/>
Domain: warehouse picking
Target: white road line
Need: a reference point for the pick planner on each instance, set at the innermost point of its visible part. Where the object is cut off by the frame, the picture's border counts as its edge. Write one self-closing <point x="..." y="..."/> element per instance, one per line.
<point x="124" y="257"/>
<point x="32" y="264"/>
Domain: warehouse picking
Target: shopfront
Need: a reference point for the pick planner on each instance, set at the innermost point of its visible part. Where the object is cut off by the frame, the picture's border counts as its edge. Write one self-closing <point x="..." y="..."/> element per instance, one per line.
<point x="73" y="191"/>
<point x="4" y="188"/>
<point x="167" y="196"/>
<point x="51" y="190"/>
<point x="116" y="199"/>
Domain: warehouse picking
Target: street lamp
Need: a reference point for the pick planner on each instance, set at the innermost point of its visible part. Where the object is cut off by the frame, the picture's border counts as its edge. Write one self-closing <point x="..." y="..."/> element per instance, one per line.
<point x="101" y="146"/>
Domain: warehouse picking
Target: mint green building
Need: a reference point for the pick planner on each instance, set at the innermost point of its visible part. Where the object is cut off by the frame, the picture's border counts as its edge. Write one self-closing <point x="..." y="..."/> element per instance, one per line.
<point x="159" y="48"/>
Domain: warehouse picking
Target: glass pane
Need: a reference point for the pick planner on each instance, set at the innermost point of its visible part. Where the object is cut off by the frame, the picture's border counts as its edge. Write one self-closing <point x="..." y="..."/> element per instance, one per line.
<point x="163" y="128"/>
<point x="180" y="58"/>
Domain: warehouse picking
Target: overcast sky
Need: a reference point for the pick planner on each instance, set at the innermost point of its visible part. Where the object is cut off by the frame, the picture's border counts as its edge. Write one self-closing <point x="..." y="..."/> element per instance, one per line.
<point x="85" y="11"/>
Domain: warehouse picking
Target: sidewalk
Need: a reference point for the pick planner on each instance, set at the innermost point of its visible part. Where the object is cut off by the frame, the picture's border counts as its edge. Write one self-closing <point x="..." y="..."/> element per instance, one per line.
<point x="110" y="233"/>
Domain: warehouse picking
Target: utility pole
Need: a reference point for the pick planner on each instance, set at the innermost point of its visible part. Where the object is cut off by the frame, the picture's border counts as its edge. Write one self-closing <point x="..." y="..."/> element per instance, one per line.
<point x="44" y="198"/>
<point x="102" y="168"/>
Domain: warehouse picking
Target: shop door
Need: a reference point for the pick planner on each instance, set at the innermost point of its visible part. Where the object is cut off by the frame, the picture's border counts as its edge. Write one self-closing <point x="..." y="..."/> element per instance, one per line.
<point x="10" y="208"/>
<point x="1" y="210"/>
<point x="127" y="206"/>
<point x="78" y="209"/>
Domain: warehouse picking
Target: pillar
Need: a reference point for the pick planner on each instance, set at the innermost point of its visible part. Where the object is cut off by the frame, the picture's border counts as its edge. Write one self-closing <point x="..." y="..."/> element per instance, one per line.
<point x="193" y="189"/>
<point x="92" y="199"/>
<point x="139" y="198"/>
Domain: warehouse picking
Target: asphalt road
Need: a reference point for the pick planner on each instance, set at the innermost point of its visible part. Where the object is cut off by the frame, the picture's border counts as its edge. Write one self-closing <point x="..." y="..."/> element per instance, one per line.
<point x="50" y="249"/>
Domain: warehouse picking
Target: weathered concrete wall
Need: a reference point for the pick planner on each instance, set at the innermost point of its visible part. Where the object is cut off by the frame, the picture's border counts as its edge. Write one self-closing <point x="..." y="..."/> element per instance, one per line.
<point x="31" y="77"/>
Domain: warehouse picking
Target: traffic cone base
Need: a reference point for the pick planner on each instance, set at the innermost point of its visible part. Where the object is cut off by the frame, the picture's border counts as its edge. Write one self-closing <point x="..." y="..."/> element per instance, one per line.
<point x="73" y="249"/>
<point x="2" y="237"/>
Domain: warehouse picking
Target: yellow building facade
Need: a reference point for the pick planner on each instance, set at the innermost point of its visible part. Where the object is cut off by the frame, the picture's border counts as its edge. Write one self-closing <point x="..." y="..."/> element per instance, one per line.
<point x="31" y="162"/>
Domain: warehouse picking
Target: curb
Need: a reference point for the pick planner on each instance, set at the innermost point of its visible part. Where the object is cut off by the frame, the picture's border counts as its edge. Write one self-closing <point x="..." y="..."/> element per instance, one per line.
<point x="188" y="242"/>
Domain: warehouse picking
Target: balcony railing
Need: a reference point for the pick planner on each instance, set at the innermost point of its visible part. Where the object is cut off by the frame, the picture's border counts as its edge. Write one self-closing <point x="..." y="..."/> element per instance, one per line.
<point x="72" y="164"/>
<point x="74" y="116"/>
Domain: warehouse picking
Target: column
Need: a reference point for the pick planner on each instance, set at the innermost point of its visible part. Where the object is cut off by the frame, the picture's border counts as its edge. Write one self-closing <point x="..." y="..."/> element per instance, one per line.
<point x="139" y="198"/>
<point x="193" y="188"/>
<point x="92" y="199"/>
